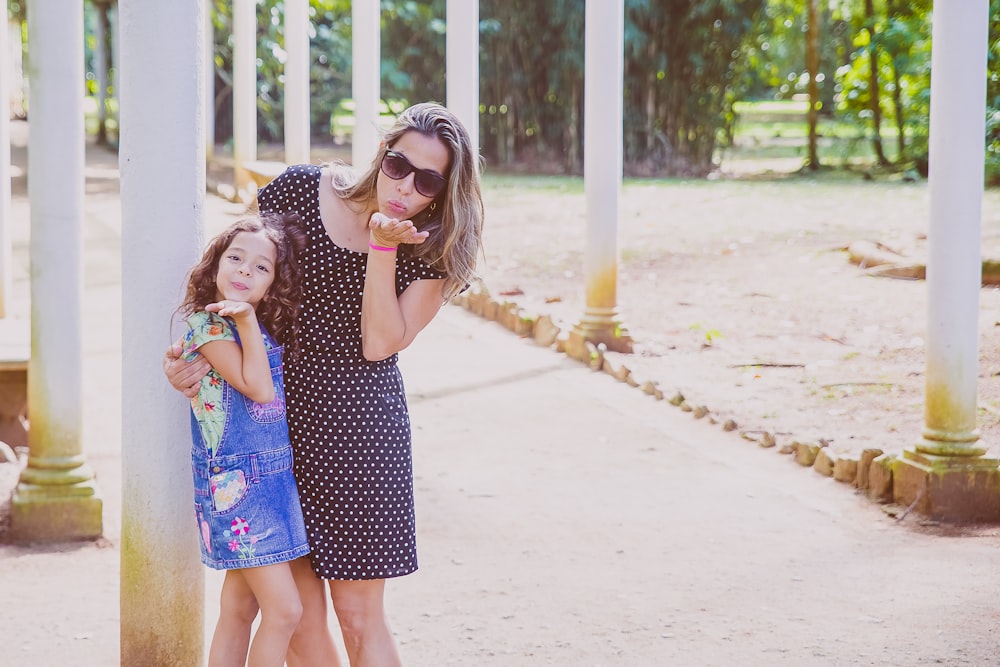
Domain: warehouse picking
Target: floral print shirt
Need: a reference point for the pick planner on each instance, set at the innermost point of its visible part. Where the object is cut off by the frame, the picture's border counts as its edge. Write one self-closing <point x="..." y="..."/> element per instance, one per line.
<point x="208" y="407"/>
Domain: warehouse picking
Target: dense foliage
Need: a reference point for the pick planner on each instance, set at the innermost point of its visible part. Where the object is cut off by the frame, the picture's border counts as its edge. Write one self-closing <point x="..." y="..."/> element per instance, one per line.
<point x="686" y="63"/>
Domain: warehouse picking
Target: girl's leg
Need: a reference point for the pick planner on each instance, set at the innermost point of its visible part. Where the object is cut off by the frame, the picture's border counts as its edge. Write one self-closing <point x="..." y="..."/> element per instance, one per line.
<point x="280" y="611"/>
<point x="361" y="613"/>
<point x="312" y="644"/>
<point x="237" y="611"/>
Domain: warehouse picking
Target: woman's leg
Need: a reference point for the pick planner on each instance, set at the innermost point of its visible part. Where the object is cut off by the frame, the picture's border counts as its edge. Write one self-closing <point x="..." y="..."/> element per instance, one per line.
<point x="237" y="611"/>
<point x="280" y="611"/>
<point x="312" y="644"/>
<point x="361" y="613"/>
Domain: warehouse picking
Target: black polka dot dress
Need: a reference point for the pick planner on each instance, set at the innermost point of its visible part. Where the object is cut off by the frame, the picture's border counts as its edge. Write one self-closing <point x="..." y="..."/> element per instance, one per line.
<point x="347" y="416"/>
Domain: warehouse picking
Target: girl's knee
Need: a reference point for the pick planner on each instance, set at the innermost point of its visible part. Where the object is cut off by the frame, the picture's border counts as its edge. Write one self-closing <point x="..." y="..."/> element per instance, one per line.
<point x="285" y="614"/>
<point x="243" y="608"/>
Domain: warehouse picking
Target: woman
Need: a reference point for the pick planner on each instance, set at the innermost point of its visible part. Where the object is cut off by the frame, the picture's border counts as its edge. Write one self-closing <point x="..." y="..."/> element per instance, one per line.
<point x="385" y="251"/>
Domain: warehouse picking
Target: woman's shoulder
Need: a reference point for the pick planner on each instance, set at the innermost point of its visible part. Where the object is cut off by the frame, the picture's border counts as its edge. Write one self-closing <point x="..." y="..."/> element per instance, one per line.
<point x="297" y="181"/>
<point x="302" y="171"/>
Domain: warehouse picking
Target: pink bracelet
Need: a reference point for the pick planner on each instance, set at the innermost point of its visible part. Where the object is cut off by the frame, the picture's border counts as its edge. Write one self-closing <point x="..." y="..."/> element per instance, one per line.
<point x="380" y="247"/>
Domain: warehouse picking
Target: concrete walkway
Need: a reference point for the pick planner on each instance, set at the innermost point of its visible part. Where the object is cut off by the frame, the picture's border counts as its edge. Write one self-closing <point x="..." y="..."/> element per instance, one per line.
<point x="564" y="519"/>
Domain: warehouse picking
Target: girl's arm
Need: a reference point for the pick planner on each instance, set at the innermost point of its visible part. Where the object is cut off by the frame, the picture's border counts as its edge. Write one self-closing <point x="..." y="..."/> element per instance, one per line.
<point x="246" y="368"/>
<point x="390" y="323"/>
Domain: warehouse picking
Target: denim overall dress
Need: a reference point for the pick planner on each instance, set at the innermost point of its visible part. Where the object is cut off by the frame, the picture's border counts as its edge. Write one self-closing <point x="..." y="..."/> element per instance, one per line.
<point x="246" y="500"/>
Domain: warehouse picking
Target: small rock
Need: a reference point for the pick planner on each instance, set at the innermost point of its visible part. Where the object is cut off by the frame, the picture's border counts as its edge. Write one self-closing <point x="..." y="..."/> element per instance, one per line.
<point x="806" y="452"/>
<point x="845" y="469"/>
<point x="880" y="478"/>
<point x="651" y="389"/>
<point x="824" y="462"/>
<point x="864" y="466"/>
<point x="545" y="331"/>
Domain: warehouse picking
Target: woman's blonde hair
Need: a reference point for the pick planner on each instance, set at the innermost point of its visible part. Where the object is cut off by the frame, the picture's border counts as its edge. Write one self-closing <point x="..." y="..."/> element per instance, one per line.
<point x="455" y="217"/>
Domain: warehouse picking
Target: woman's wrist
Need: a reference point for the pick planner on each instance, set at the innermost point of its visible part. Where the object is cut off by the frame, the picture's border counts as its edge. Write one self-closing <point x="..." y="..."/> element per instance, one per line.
<point x="381" y="248"/>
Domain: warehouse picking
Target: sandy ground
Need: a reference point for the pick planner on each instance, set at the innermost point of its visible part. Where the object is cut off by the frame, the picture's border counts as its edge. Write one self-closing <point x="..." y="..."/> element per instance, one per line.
<point x="740" y="295"/>
<point x="568" y="519"/>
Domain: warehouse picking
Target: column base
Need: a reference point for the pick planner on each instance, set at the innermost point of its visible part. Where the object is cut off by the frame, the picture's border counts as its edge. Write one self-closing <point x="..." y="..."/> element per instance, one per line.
<point x="599" y="327"/>
<point x="63" y="513"/>
<point x="956" y="489"/>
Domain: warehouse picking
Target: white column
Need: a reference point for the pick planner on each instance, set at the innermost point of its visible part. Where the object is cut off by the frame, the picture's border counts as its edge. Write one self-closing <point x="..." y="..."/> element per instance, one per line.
<point x="162" y="143"/>
<point x="602" y="168"/>
<point x="244" y="92"/>
<point x="56" y="498"/>
<point x="6" y="74"/>
<point x="209" y="45"/>
<point x="462" y="64"/>
<point x="365" y="80"/>
<point x="954" y="264"/>
<point x="296" y="81"/>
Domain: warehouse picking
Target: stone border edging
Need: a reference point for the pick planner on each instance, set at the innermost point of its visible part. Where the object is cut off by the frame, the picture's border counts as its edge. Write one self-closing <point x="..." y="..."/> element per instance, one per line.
<point x="870" y="472"/>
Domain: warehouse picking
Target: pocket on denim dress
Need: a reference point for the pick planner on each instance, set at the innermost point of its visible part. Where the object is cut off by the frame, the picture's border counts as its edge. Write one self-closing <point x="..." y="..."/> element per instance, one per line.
<point x="228" y="488"/>
<point x="268" y="413"/>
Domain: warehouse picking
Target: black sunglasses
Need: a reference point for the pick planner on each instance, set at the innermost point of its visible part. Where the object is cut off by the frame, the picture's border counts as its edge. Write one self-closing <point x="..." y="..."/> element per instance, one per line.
<point x="427" y="183"/>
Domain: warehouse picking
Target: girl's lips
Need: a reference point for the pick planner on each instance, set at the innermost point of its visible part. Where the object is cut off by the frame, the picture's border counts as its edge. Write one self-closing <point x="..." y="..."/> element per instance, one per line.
<point x="396" y="206"/>
<point x="239" y="286"/>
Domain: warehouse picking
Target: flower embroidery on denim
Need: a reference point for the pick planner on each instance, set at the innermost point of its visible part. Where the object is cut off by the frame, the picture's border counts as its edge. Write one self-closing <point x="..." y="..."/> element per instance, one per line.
<point x="240" y="541"/>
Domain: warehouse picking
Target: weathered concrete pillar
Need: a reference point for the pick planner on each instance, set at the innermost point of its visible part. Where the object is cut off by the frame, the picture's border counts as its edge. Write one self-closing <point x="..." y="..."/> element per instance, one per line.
<point x="244" y="95"/>
<point x="462" y="64"/>
<point x="296" y="81"/>
<point x="162" y="141"/>
<point x="602" y="170"/>
<point x="56" y="498"/>
<point x="366" y="49"/>
<point x="6" y="259"/>
<point x="945" y="474"/>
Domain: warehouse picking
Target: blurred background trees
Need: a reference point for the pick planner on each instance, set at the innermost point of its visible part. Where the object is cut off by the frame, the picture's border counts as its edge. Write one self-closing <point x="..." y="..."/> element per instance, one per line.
<point x="702" y="77"/>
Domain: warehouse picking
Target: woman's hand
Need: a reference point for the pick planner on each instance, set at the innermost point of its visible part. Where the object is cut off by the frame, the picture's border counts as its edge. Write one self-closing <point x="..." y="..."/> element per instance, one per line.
<point x="184" y="376"/>
<point x="390" y="232"/>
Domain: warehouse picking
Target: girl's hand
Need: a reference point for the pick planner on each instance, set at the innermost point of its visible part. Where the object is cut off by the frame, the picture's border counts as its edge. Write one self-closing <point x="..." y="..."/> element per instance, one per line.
<point x="234" y="309"/>
<point x="390" y="232"/>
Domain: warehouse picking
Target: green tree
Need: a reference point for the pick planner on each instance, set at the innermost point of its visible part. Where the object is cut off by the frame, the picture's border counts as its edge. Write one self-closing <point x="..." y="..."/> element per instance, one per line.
<point x="413" y="50"/>
<point x="888" y="75"/>
<point x="531" y="90"/>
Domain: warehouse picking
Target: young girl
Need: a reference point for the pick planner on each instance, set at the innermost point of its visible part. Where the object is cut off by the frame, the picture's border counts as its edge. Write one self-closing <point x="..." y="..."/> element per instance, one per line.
<point x="240" y="306"/>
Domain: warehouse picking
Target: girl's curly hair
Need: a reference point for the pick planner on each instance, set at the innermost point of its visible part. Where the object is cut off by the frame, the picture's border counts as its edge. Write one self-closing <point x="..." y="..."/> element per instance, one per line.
<point x="278" y="310"/>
